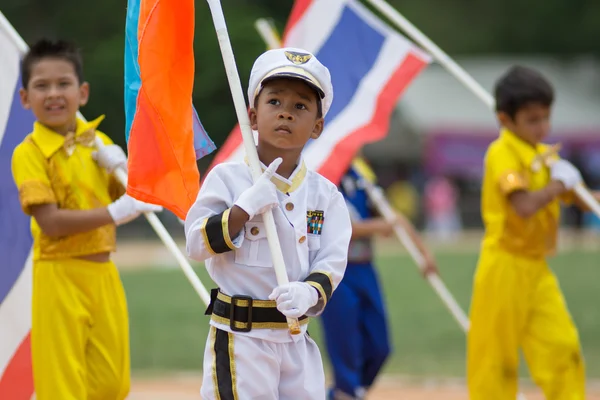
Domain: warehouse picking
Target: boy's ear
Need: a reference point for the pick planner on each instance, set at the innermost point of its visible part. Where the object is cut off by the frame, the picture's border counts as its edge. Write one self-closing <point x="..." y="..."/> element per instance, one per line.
<point x="318" y="129"/>
<point x="24" y="98"/>
<point x="84" y="93"/>
<point x="505" y="119"/>
<point x="253" y="119"/>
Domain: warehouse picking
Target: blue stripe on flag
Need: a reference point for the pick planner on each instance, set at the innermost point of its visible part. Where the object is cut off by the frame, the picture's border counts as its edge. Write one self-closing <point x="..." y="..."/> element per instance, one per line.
<point x="350" y="53"/>
<point x="203" y="144"/>
<point x="15" y="235"/>
<point x="133" y="81"/>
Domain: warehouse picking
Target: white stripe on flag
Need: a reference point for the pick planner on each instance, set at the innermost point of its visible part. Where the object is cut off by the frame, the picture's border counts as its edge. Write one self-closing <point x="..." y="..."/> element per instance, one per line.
<point x="310" y="35"/>
<point x="9" y="74"/>
<point x="363" y="104"/>
<point x="15" y="315"/>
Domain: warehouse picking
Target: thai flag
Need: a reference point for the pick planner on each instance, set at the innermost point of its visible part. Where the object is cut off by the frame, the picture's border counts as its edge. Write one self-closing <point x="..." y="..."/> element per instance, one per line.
<point x="370" y="64"/>
<point x="16" y="380"/>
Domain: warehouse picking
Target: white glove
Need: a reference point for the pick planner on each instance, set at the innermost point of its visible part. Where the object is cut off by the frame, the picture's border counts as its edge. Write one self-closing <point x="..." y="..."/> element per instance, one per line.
<point x="126" y="209"/>
<point x="262" y="196"/>
<point x="110" y="157"/>
<point x="295" y="298"/>
<point x="564" y="171"/>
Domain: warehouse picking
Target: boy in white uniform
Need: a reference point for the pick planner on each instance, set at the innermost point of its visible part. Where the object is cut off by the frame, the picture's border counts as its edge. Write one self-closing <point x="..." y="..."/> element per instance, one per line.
<point x="250" y="353"/>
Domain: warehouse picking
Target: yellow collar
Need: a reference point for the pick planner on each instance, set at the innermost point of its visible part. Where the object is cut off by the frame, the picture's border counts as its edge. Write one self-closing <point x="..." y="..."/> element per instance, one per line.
<point x="287" y="185"/>
<point x="50" y="141"/>
<point x="526" y="152"/>
<point x="294" y="181"/>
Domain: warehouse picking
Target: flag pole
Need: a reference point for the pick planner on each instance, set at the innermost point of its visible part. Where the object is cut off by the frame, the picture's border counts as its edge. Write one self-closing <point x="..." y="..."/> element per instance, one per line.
<point x="438" y="54"/>
<point x="241" y="110"/>
<point x="268" y="33"/>
<point x="385" y="209"/>
<point x="459" y="73"/>
<point x="121" y="175"/>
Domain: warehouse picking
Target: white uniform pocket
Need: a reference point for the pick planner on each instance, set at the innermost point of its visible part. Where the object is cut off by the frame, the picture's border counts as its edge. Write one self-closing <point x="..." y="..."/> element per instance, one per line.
<point x="254" y="251"/>
<point x="314" y="242"/>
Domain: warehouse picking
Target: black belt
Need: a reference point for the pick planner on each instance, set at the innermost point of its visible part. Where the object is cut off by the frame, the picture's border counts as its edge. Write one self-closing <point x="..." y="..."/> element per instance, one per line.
<point x="243" y="313"/>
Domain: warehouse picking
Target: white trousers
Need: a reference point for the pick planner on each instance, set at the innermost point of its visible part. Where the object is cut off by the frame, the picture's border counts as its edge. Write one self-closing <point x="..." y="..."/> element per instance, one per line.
<point x="242" y="367"/>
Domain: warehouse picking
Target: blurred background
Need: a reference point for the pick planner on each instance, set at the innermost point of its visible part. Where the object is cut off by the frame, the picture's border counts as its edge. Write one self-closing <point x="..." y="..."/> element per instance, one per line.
<point x="430" y="163"/>
<point x="439" y="130"/>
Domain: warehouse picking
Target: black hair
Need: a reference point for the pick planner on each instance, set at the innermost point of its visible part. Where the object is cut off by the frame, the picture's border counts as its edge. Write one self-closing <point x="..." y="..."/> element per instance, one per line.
<point x="56" y="49"/>
<point x="519" y="87"/>
<point x="318" y="96"/>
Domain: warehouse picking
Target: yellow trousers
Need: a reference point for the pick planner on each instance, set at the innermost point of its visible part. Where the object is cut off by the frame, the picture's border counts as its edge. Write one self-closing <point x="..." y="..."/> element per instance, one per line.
<point x="80" y="333"/>
<point x="517" y="304"/>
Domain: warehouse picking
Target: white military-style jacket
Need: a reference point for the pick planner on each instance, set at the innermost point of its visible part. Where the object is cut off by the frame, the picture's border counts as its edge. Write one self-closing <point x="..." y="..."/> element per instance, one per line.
<point x="313" y="226"/>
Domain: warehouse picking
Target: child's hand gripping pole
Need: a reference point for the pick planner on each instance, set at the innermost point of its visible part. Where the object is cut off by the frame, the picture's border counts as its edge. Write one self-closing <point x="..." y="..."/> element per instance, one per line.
<point x="249" y="145"/>
<point x="164" y="235"/>
<point x="548" y="158"/>
<point x="376" y="196"/>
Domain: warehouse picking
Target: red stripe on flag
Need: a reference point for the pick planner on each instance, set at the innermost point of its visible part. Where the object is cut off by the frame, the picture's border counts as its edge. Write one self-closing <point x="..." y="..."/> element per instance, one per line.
<point x="17" y="381"/>
<point x="298" y="10"/>
<point x="233" y="142"/>
<point x="377" y="128"/>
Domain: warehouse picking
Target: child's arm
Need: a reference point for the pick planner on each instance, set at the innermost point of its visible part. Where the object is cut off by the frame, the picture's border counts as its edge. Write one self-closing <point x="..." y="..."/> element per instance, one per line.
<point x="58" y="222"/>
<point x="371" y="227"/>
<point x="526" y="203"/>
<point x="430" y="266"/>
<point x="507" y="171"/>
<point x="380" y="226"/>
<point x="564" y="177"/>
<point x="209" y="230"/>
<point x="211" y="223"/>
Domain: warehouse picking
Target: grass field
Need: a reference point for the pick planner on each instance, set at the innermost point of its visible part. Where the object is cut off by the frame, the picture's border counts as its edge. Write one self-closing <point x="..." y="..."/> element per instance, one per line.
<point x="168" y="328"/>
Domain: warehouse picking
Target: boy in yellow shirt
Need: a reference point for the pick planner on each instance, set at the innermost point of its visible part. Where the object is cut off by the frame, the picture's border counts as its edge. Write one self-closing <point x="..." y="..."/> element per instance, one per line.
<point x="79" y="335"/>
<point x="517" y="302"/>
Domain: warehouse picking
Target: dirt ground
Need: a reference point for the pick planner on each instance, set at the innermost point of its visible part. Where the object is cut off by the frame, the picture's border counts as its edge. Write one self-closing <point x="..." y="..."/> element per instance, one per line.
<point x="187" y="387"/>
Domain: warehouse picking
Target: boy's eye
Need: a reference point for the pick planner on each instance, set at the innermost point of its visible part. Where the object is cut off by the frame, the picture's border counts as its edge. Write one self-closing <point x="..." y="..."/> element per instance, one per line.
<point x="64" y="83"/>
<point x="39" y="85"/>
<point x="301" y="106"/>
<point x="274" y="102"/>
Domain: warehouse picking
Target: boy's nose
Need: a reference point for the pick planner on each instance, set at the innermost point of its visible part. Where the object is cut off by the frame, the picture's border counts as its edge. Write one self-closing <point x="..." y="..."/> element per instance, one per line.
<point x="286" y="115"/>
<point x="54" y="91"/>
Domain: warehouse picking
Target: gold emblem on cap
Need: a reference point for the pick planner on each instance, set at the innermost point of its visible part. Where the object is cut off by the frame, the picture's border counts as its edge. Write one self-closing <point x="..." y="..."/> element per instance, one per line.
<point x="297" y="58"/>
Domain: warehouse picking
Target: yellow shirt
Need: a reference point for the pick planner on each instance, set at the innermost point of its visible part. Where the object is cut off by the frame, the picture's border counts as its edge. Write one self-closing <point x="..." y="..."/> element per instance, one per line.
<point x="510" y="165"/>
<point x="47" y="168"/>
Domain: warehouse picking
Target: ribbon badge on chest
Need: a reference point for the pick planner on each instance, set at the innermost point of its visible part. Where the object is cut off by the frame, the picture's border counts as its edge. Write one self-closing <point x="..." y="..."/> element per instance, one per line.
<point x="314" y="222"/>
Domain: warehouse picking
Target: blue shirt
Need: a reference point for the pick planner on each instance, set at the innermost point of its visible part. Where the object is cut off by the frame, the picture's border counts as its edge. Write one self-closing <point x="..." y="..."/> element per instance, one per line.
<point x="359" y="206"/>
